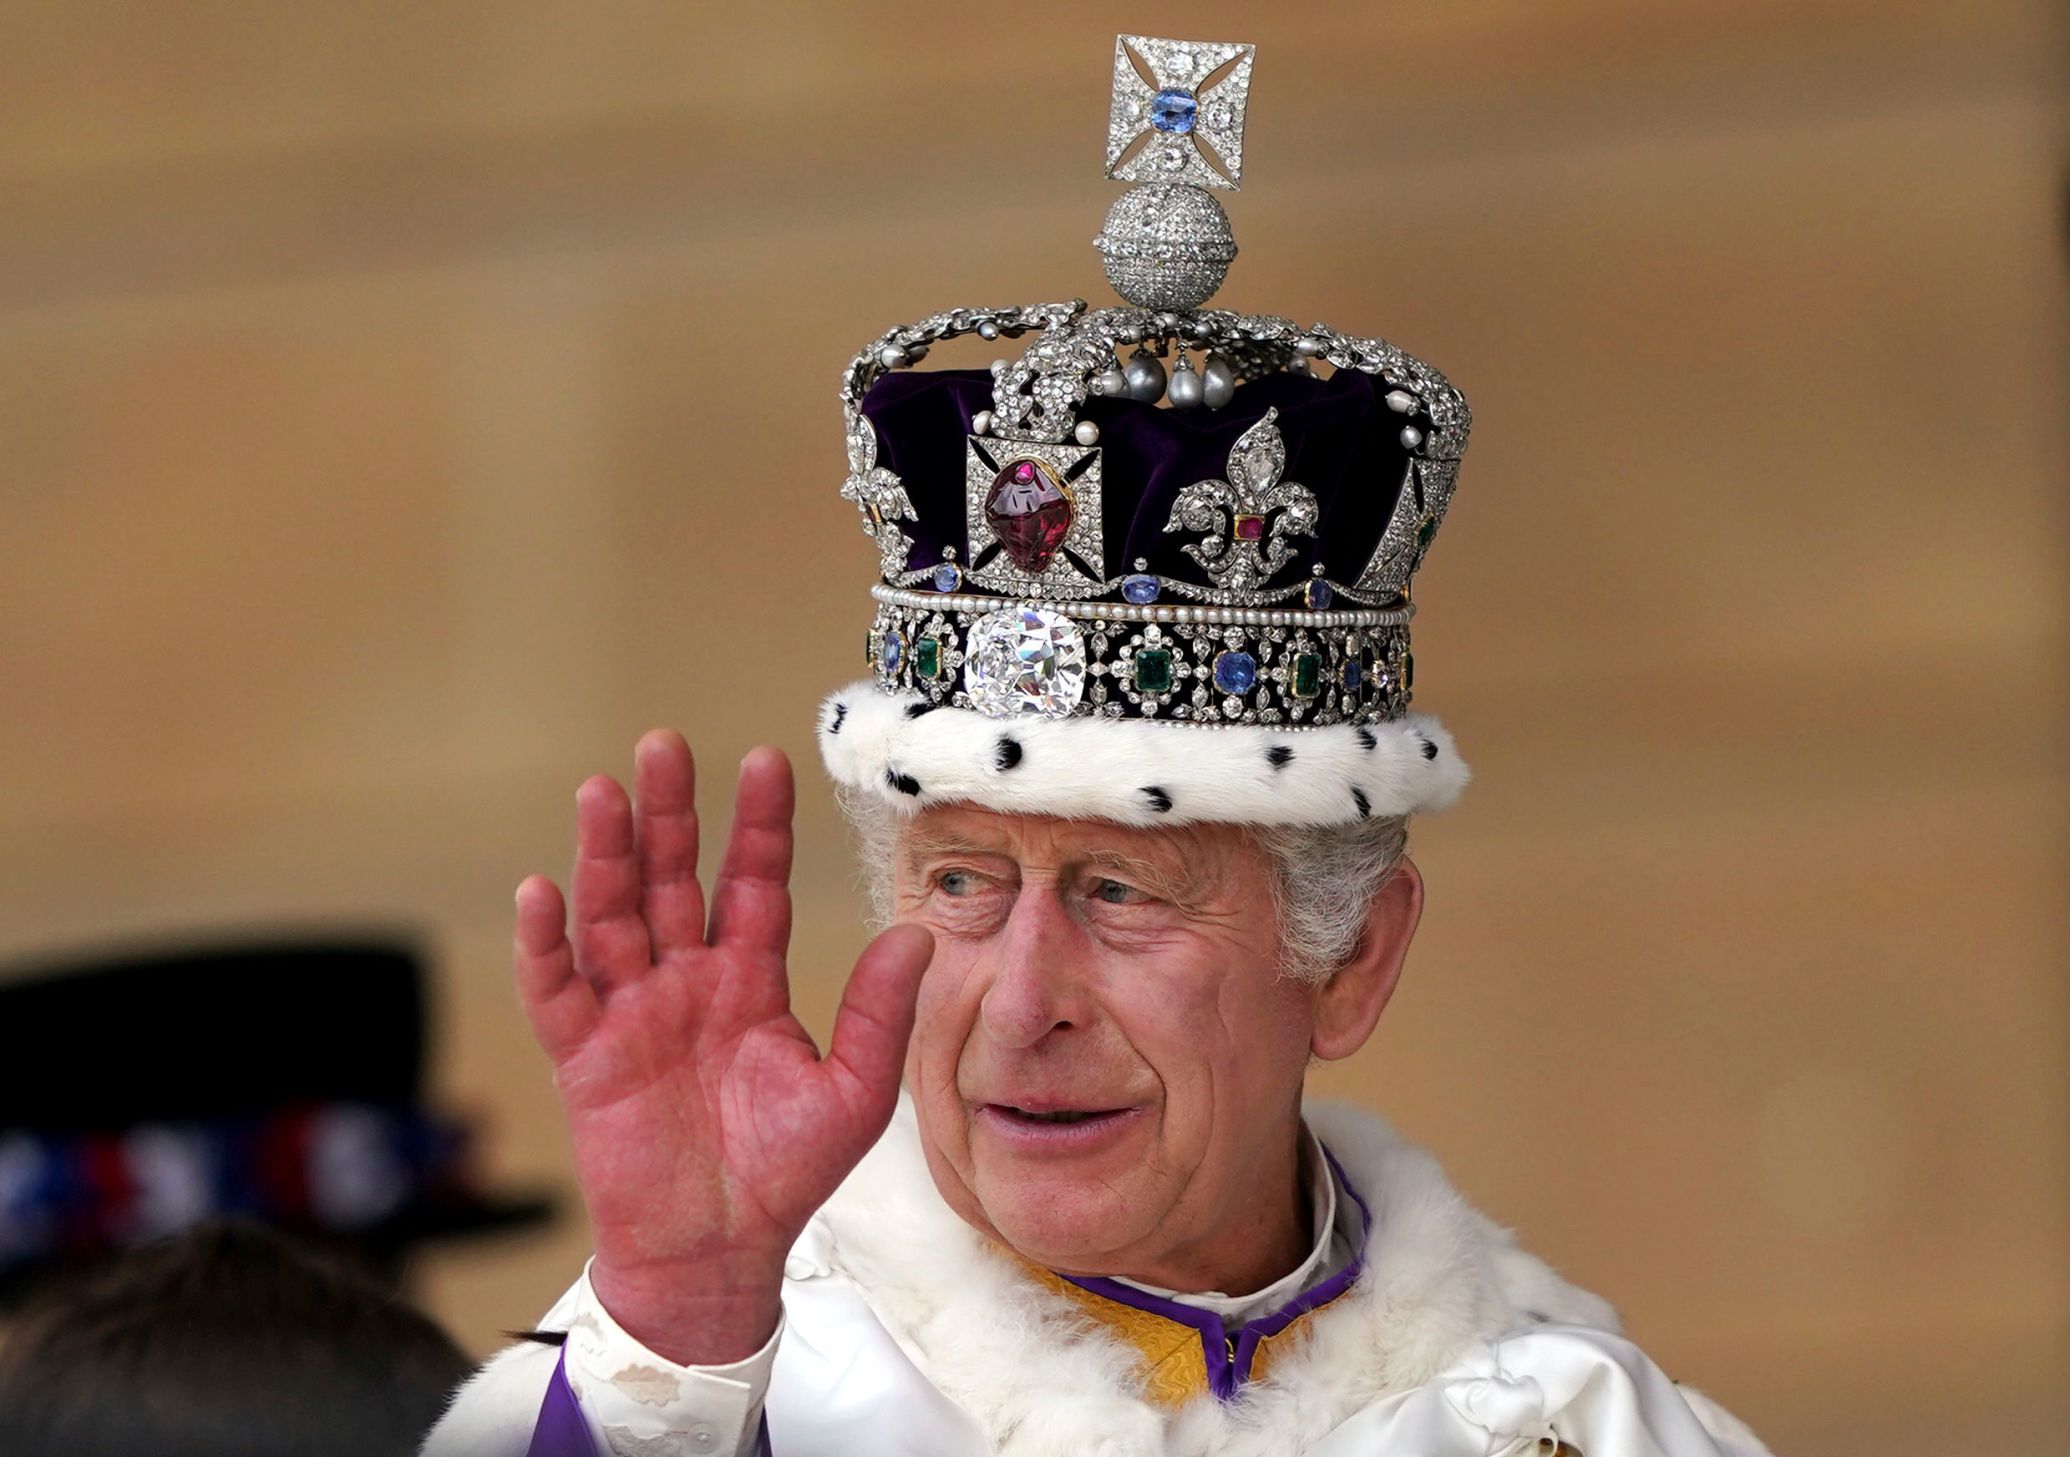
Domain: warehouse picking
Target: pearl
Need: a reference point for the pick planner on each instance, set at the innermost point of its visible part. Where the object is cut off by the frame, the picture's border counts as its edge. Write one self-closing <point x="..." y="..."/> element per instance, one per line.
<point x="1112" y="383"/>
<point x="891" y="356"/>
<point x="1145" y="377"/>
<point x="1400" y="401"/>
<point x="988" y="330"/>
<point x="981" y="423"/>
<point x="1087" y="433"/>
<point x="1308" y="347"/>
<point x="1218" y="382"/>
<point x="1186" y="388"/>
<point x="1411" y="436"/>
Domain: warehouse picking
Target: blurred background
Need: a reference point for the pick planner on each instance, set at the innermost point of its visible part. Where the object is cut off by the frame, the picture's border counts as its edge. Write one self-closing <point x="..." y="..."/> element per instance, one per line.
<point x="404" y="406"/>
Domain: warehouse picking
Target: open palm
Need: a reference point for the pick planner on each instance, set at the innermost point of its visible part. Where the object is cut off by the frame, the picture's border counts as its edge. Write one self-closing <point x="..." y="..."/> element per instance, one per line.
<point x="706" y="1127"/>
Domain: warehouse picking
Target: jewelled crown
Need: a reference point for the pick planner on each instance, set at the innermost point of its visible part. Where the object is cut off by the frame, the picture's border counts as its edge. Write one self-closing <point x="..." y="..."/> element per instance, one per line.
<point x="1158" y="511"/>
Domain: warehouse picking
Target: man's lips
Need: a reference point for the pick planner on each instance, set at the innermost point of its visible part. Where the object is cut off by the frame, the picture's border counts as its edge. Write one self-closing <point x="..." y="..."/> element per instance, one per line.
<point x="1050" y="1113"/>
<point x="1055" y="1128"/>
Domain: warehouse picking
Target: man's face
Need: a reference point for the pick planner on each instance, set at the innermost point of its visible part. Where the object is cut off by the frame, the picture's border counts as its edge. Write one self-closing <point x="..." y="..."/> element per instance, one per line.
<point x="1106" y="1062"/>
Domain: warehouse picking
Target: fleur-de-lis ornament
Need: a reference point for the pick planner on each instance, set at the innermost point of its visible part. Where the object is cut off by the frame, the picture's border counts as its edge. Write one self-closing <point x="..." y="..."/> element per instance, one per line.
<point x="1246" y="520"/>
<point x="881" y="496"/>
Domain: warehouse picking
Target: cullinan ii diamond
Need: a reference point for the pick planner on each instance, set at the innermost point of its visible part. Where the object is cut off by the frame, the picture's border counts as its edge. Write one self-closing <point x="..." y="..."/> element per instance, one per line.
<point x="1029" y="511"/>
<point x="1023" y="661"/>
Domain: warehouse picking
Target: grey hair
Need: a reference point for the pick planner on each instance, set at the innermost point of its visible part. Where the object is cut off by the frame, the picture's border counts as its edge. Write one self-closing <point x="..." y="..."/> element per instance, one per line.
<point x="1323" y="884"/>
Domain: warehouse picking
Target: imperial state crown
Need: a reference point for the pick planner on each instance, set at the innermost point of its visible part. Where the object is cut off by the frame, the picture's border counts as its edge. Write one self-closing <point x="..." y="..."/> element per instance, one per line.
<point x="1156" y="568"/>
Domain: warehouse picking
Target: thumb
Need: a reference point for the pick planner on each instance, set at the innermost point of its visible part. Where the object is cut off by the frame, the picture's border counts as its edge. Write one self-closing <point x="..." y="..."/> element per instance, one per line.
<point x="876" y="1020"/>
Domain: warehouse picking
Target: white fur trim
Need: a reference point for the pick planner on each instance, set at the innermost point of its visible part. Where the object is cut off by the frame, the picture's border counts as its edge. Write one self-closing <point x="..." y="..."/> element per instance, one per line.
<point x="1125" y="769"/>
<point x="1439" y="1276"/>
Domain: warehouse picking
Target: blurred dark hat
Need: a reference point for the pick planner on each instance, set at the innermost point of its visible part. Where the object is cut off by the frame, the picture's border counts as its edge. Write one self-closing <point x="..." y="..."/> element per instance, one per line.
<point x="283" y="1082"/>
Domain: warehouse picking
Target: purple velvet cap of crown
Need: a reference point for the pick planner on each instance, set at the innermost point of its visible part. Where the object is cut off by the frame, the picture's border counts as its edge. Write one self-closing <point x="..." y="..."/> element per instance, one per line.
<point x="1343" y="443"/>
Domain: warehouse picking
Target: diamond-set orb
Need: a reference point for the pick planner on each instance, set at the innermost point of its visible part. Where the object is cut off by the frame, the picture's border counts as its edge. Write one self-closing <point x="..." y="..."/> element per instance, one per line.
<point x="1166" y="245"/>
<point x="1024" y="661"/>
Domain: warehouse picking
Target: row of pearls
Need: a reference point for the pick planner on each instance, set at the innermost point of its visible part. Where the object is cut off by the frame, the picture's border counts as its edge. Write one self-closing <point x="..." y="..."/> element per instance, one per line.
<point x="1132" y="612"/>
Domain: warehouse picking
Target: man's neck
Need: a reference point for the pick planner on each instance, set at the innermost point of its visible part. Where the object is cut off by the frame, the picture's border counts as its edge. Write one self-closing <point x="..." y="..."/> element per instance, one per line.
<point x="1261" y="1241"/>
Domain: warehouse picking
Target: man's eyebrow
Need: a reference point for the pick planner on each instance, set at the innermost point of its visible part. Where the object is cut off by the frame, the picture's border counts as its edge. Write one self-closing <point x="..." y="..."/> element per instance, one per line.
<point x="1181" y="883"/>
<point x="924" y="844"/>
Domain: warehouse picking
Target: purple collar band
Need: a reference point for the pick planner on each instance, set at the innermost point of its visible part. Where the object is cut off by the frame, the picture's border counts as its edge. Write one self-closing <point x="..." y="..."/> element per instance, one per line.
<point x="1229" y="1353"/>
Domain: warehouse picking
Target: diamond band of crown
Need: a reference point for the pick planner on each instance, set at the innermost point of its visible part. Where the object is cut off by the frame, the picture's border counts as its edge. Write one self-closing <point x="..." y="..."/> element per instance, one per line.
<point x="1045" y="598"/>
<point x="1178" y="664"/>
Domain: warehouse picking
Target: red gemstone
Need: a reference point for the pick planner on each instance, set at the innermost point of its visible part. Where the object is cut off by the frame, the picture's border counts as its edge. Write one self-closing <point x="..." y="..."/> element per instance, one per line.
<point x="1030" y="513"/>
<point x="1250" y="528"/>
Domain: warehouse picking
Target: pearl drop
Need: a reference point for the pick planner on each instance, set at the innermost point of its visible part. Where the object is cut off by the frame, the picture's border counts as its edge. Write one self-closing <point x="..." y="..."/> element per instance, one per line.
<point x="981" y="423"/>
<point x="1400" y="401"/>
<point x="988" y="330"/>
<point x="1186" y="390"/>
<point x="891" y="356"/>
<point x="1087" y="433"/>
<point x="1411" y="436"/>
<point x="1145" y="376"/>
<point x="1113" y="383"/>
<point x="1218" y="382"/>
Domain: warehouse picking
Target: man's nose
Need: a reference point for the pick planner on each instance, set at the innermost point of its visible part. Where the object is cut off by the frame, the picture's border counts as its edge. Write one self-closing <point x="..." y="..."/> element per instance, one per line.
<point x="1036" y="982"/>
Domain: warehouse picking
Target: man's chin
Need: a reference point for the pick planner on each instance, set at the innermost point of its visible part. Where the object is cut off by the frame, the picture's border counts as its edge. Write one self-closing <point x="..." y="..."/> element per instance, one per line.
<point x="1069" y="1221"/>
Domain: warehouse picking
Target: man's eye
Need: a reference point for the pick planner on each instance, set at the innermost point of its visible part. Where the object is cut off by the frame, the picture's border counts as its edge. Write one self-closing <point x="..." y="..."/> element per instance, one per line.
<point x="956" y="882"/>
<point x="1115" y="893"/>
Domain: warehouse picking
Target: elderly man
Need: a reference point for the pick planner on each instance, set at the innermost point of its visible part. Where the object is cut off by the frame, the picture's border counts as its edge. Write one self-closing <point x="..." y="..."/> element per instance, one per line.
<point x="1131" y="779"/>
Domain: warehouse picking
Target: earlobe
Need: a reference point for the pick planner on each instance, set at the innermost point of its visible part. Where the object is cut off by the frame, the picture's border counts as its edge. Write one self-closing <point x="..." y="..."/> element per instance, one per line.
<point x="1348" y="1006"/>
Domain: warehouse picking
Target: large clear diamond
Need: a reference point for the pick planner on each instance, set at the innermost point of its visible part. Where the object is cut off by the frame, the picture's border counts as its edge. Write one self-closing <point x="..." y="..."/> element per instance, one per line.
<point x="1023" y="661"/>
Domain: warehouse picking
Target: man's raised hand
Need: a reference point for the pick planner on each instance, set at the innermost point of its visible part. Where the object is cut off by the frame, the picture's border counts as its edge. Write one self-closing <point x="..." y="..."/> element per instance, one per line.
<point x="706" y="1128"/>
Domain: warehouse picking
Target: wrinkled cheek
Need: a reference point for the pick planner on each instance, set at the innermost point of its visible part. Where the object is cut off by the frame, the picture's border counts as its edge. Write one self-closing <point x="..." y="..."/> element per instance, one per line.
<point x="941" y="1027"/>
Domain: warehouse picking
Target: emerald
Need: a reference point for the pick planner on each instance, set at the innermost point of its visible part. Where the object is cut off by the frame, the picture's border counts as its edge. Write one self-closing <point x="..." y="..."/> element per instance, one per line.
<point x="1408" y="670"/>
<point x="1154" y="670"/>
<point x="1308" y="669"/>
<point x="927" y="657"/>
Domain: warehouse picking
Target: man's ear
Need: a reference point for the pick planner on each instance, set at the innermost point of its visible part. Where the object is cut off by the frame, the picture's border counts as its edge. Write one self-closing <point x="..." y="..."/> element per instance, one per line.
<point x="1349" y="1004"/>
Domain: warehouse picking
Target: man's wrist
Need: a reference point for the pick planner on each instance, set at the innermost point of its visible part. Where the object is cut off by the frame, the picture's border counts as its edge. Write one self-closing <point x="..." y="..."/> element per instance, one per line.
<point x="701" y="1316"/>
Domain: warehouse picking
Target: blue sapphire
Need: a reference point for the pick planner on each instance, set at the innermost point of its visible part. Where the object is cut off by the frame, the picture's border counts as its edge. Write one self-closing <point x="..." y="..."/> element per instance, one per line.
<point x="1139" y="589"/>
<point x="892" y="653"/>
<point x="1319" y="593"/>
<point x="1354" y="675"/>
<point x="1173" y="110"/>
<point x="1235" y="672"/>
<point x="948" y="577"/>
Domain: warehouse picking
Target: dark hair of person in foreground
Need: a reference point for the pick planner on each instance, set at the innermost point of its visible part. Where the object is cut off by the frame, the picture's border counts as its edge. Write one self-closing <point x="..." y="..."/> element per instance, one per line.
<point x="229" y="1341"/>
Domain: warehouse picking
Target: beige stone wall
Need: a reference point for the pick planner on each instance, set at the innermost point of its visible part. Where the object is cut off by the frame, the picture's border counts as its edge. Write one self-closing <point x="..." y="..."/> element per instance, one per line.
<point x="401" y="407"/>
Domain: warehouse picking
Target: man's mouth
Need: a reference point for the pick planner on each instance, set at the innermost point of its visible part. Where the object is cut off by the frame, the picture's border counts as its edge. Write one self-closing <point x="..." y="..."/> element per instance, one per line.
<point x="1054" y="1115"/>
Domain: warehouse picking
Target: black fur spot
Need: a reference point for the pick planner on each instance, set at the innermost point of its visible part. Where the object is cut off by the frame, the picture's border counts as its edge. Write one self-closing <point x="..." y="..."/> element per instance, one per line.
<point x="915" y="710"/>
<point x="1007" y="754"/>
<point x="1430" y="750"/>
<point x="1365" y="806"/>
<point x="1366" y="739"/>
<point x="1159" y="800"/>
<point x="1280" y="755"/>
<point x="840" y="712"/>
<point x="903" y="783"/>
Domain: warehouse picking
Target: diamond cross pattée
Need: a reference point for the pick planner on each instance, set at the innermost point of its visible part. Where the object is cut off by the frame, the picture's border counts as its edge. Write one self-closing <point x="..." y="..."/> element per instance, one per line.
<point x="1184" y="123"/>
